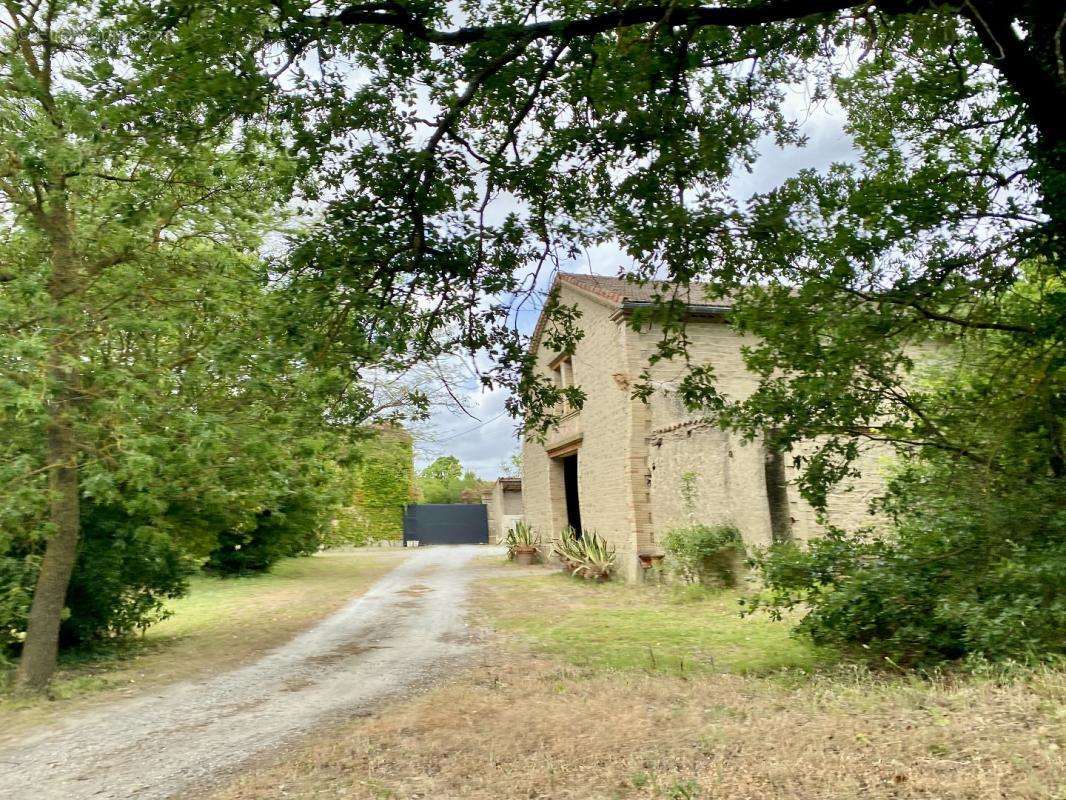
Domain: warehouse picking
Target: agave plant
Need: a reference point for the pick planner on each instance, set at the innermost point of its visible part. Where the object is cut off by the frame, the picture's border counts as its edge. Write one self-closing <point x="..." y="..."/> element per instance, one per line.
<point x="597" y="556"/>
<point x="521" y="537"/>
<point x="567" y="547"/>
<point x="524" y="535"/>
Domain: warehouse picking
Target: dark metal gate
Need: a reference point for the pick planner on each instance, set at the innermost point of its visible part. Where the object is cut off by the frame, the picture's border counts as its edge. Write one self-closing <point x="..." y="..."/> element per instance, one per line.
<point x="446" y="523"/>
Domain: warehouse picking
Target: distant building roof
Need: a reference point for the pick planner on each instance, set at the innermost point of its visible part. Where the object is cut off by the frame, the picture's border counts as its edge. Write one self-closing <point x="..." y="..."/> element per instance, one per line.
<point x="623" y="293"/>
<point x="510" y="483"/>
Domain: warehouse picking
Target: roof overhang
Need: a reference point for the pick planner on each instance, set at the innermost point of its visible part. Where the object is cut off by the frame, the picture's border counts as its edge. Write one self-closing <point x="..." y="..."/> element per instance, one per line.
<point x="622" y="310"/>
<point x="708" y="311"/>
<point x="534" y="341"/>
<point x="565" y="447"/>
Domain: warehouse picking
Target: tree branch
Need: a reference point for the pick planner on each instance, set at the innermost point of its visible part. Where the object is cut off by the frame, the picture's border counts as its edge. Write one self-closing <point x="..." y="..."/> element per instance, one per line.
<point x="936" y="316"/>
<point x="391" y="15"/>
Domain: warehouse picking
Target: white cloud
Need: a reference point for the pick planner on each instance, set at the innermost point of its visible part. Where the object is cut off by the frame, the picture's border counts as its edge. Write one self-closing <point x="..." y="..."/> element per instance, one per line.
<point x="481" y="442"/>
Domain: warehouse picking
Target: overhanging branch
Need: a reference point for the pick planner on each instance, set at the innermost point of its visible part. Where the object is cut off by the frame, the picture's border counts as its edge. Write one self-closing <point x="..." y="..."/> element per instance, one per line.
<point x="393" y="15"/>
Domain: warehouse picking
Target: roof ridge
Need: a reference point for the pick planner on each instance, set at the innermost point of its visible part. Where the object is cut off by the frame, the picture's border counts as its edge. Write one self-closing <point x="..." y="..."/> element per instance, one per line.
<point x="620" y="292"/>
<point x="613" y="288"/>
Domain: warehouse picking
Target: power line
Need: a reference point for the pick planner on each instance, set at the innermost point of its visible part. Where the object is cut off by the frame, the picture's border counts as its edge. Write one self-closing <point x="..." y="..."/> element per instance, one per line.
<point x="471" y="430"/>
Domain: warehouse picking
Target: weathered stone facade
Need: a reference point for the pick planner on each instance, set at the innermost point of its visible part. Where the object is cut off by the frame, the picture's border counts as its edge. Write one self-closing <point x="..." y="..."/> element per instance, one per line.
<point x="644" y="468"/>
<point x="504" y="501"/>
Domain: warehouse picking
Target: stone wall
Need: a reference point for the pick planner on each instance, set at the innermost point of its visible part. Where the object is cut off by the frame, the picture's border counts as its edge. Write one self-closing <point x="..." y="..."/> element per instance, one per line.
<point x="637" y="461"/>
<point x="492" y="512"/>
<point x="600" y="433"/>
<point x="511" y="502"/>
<point x="700" y="474"/>
<point x="849" y="503"/>
<point x="505" y="508"/>
<point x="728" y="474"/>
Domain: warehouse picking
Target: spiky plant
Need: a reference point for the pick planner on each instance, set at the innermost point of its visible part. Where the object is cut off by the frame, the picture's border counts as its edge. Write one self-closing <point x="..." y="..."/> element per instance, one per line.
<point x="567" y="547"/>
<point x="521" y="537"/>
<point x="597" y="556"/>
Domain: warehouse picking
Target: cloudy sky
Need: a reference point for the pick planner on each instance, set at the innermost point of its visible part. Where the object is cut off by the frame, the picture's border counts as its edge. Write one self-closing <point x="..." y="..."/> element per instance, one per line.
<point x="486" y="438"/>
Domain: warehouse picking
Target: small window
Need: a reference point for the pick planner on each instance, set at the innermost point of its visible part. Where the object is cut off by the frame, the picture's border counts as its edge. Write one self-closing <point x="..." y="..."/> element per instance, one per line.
<point x="563" y="373"/>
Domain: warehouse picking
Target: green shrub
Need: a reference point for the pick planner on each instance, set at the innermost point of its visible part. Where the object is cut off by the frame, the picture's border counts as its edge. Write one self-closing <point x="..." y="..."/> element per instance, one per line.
<point x="595" y="557"/>
<point x="296" y="528"/>
<point x="18" y="573"/>
<point x="588" y="555"/>
<point x="383" y="485"/>
<point x="354" y="527"/>
<point x="125" y="572"/>
<point x="521" y="536"/>
<point x="566" y="546"/>
<point x="973" y="568"/>
<point x="706" y="554"/>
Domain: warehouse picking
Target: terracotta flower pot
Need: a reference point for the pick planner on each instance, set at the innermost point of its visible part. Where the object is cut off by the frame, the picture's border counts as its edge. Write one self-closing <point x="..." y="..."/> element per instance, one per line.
<point x="524" y="557"/>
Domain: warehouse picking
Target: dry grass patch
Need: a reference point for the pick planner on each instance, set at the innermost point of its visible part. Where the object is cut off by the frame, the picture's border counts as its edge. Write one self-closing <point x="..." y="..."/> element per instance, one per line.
<point x="528" y="724"/>
<point x="538" y="729"/>
<point x="221" y="624"/>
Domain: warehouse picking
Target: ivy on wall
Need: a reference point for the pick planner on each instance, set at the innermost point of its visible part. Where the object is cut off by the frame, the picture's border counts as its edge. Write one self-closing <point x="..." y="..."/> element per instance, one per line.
<point x="384" y="484"/>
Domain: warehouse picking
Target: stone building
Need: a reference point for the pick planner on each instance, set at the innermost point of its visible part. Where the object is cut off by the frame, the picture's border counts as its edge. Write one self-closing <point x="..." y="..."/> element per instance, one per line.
<point x="504" y="501"/>
<point x="631" y="470"/>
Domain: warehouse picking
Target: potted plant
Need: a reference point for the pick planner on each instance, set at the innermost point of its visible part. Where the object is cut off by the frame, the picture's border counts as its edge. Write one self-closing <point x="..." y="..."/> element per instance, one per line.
<point x="597" y="557"/>
<point x="522" y="544"/>
<point x="567" y="548"/>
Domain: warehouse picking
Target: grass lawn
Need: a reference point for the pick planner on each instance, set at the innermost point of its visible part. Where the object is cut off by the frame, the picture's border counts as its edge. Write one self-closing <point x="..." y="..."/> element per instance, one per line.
<point x="619" y="627"/>
<point x="219" y="625"/>
<point x="567" y="703"/>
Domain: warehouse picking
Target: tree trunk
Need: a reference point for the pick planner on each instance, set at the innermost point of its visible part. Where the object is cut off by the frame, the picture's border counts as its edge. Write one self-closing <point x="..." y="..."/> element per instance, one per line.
<point x="1032" y="64"/>
<point x="777" y="493"/>
<point x="41" y="648"/>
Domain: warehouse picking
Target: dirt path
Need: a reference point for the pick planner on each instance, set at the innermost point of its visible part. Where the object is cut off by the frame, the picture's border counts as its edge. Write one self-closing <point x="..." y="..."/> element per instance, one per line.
<point x="402" y="633"/>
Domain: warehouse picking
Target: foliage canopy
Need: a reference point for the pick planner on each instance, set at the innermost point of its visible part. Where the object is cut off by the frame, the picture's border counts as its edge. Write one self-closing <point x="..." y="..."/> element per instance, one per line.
<point x="445" y="481"/>
<point x="459" y="149"/>
<point x="480" y="144"/>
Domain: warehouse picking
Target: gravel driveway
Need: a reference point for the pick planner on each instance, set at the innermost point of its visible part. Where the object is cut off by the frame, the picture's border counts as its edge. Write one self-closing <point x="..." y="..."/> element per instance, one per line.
<point x="407" y="629"/>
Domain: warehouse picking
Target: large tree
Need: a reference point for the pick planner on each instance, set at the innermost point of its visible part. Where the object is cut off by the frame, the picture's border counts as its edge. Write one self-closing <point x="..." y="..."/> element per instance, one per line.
<point x="156" y="374"/>
<point x="445" y="481"/>
<point x="910" y="294"/>
<point x="96" y="194"/>
<point x="460" y="148"/>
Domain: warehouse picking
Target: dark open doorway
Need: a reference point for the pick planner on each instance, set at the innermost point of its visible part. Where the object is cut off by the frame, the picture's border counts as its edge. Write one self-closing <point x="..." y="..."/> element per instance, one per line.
<point x="573" y="503"/>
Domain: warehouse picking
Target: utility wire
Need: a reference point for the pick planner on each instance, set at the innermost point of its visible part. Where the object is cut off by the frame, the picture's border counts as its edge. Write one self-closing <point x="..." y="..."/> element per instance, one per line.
<point x="471" y="430"/>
